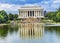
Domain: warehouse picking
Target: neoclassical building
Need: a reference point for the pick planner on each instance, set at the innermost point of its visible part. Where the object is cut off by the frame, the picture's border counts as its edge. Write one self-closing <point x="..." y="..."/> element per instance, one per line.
<point x="31" y="13"/>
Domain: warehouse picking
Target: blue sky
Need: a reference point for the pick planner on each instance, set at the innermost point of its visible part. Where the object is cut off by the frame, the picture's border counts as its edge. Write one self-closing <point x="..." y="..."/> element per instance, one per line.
<point x="12" y="6"/>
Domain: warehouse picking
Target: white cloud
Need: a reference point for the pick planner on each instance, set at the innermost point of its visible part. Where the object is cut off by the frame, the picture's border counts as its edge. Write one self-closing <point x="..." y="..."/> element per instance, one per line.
<point x="56" y="1"/>
<point x="50" y="5"/>
<point x="47" y="5"/>
<point x="31" y="4"/>
<point x="12" y="7"/>
<point x="9" y="7"/>
<point x="55" y="4"/>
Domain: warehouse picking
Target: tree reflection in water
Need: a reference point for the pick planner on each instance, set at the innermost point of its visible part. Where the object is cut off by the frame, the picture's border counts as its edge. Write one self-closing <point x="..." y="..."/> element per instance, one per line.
<point x="53" y="29"/>
<point x="5" y="29"/>
<point x="31" y="30"/>
<point x="13" y="28"/>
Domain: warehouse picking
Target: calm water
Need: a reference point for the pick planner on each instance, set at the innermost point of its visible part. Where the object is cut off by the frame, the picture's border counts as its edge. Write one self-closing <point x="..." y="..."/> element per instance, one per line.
<point x="29" y="33"/>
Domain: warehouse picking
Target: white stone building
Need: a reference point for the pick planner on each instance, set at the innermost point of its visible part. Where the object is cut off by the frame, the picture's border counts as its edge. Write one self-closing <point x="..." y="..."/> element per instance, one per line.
<point x="31" y="13"/>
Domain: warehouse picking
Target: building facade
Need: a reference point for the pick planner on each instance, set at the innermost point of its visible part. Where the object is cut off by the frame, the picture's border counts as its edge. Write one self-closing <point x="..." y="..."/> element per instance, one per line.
<point x="31" y="13"/>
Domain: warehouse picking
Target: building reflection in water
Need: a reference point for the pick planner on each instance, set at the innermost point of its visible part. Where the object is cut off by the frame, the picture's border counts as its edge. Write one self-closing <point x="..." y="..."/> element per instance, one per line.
<point x="31" y="30"/>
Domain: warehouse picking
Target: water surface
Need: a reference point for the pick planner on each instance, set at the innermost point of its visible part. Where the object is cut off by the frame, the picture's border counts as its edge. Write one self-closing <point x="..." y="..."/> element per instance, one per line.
<point x="29" y="33"/>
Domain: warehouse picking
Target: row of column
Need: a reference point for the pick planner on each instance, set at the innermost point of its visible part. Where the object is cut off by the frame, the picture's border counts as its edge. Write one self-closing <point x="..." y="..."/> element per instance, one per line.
<point x="25" y="14"/>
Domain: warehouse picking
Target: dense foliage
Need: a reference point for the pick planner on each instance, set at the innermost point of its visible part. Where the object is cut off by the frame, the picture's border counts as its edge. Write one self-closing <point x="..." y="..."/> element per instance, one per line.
<point x="4" y="17"/>
<point x="12" y="16"/>
<point x="55" y="16"/>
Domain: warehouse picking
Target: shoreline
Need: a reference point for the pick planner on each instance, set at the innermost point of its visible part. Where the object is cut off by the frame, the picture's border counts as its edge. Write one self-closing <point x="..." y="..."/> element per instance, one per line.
<point x="3" y="24"/>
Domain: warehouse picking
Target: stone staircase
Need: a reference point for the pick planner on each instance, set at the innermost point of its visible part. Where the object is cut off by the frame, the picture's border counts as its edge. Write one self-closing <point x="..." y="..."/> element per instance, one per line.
<point x="28" y="20"/>
<point x="31" y="19"/>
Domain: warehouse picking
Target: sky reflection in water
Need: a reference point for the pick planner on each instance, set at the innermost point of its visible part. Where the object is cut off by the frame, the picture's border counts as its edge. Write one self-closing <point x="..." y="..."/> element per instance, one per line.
<point x="29" y="33"/>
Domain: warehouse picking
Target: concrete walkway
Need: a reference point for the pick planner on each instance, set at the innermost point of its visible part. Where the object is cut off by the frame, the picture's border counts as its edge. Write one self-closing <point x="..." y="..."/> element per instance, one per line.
<point x="52" y="24"/>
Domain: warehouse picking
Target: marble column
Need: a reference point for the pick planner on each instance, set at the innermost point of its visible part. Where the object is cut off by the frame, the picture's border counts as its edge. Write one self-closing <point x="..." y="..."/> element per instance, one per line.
<point x="34" y="13"/>
<point x="26" y="13"/>
<point x="29" y="13"/>
<point x="37" y="13"/>
<point x="40" y="13"/>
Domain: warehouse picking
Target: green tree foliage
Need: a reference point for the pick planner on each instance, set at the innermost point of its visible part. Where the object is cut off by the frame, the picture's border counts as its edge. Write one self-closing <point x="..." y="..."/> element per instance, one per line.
<point x="58" y="16"/>
<point x="3" y="16"/>
<point x="55" y="16"/>
<point x="12" y="16"/>
<point x="15" y="16"/>
<point x="51" y="15"/>
<point x="3" y="31"/>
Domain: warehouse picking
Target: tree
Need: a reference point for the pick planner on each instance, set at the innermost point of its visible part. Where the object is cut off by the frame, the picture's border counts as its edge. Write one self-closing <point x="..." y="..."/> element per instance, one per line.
<point x="10" y="16"/>
<point x="3" y="31"/>
<point x="51" y="15"/>
<point x="15" y="16"/>
<point x="58" y="16"/>
<point x="3" y="16"/>
<point x="58" y="10"/>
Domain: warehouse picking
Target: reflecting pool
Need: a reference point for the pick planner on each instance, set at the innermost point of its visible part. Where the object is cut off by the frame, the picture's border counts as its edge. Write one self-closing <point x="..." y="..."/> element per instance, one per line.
<point x="29" y="33"/>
